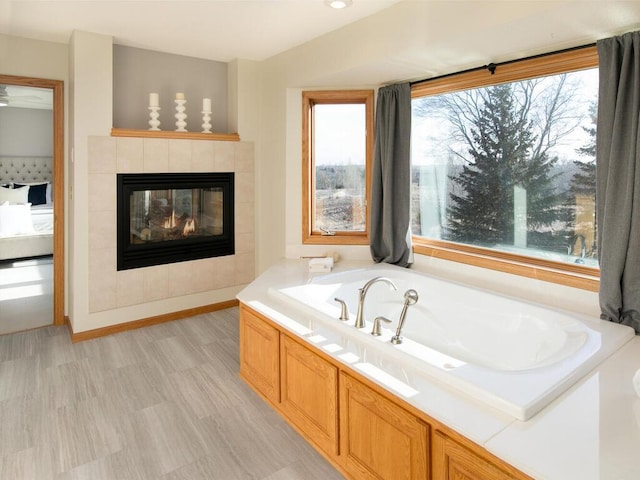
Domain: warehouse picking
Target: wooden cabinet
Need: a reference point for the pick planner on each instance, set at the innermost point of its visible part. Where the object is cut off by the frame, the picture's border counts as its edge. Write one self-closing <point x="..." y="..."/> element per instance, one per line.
<point x="309" y="393"/>
<point x="260" y="354"/>
<point x="453" y="461"/>
<point x="360" y="428"/>
<point x="378" y="439"/>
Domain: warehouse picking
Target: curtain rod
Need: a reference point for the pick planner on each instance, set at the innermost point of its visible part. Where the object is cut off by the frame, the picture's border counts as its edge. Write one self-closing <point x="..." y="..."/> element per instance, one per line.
<point x="493" y="66"/>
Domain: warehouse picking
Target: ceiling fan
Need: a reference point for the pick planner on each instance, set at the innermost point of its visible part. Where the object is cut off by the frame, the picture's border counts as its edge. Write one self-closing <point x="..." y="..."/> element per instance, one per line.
<point x="11" y="96"/>
<point x="4" y="100"/>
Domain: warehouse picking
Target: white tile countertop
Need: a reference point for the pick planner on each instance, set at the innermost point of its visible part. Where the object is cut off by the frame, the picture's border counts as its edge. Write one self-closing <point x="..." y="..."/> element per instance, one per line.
<point x="590" y="432"/>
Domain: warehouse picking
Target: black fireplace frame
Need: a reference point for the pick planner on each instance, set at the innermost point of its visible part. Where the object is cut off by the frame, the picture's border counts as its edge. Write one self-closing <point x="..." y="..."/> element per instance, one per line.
<point x="136" y="256"/>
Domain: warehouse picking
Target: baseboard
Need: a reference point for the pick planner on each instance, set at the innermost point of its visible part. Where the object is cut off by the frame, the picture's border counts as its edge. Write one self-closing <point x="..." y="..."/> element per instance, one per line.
<point x="146" y="322"/>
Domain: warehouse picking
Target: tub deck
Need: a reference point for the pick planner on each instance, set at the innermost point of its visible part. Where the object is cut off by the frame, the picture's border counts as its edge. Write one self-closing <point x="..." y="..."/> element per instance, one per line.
<point x="512" y="355"/>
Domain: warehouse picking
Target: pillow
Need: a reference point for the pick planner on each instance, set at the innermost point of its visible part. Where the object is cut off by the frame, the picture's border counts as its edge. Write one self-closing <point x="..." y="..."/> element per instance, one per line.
<point x="15" y="219"/>
<point x="37" y="192"/>
<point x="14" y="195"/>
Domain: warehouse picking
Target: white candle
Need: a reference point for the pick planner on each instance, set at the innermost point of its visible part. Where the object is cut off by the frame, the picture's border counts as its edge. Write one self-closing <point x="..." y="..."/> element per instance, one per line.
<point x="179" y="96"/>
<point x="154" y="100"/>
<point x="206" y="105"/>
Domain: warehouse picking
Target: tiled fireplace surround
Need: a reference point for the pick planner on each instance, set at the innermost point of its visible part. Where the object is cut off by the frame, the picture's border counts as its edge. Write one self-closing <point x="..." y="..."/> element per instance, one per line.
<point x="110" y="289"/>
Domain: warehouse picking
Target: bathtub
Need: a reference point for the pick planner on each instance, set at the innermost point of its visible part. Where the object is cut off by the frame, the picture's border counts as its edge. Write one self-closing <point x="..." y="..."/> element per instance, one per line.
<point x="506" y="353"/>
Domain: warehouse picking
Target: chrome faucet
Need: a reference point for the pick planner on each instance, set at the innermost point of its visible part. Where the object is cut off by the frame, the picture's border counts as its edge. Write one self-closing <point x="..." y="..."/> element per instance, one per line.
<point x="362" y="292"/>
<point x="344" y="310"/>
<point x="377" y="328"/>
<point x="410" y="298"/>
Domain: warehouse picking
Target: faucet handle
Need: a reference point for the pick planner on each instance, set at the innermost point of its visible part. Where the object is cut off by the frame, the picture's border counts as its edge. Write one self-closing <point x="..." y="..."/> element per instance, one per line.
<point x="377" y="331"/>
<point x="344" y="311"/>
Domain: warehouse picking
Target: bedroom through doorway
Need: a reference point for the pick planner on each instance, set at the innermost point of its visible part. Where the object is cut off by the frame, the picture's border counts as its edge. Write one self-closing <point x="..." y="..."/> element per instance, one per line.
<point x="31" y="203"/>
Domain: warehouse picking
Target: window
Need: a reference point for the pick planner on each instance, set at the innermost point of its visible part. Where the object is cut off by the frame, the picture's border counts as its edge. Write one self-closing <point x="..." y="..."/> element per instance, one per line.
<point x="503" y="167"/>
<point x="337" y="147"/>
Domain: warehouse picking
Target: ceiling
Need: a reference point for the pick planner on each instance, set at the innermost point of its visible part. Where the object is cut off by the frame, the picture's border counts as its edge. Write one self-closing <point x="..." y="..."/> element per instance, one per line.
<point x="411" y="39"/>
<point x="220" y="30"/>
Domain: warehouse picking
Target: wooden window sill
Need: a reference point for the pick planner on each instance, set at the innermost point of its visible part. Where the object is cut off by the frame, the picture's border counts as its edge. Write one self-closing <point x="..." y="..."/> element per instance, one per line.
<point x="585" y="278"/>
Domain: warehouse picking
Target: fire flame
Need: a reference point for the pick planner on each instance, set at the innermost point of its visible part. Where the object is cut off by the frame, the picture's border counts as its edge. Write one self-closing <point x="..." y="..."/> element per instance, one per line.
<point x="189" y="226"/>
<point x="171" y="221"/>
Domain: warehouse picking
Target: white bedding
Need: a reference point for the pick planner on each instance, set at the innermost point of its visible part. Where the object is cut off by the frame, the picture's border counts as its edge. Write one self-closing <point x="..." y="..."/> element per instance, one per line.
<point x="35" y="236"/>
<point x="35" y="224"/>
<point x="42" y="218"/>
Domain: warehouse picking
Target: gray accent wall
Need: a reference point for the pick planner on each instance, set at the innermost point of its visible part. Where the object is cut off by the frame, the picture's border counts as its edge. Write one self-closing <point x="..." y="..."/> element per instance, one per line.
<point x="138" y="72"/>
<point x="26" y="132"/>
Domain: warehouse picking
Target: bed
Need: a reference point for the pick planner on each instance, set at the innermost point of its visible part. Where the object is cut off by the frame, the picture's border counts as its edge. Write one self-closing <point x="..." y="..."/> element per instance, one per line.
<point x="26" y="207"/>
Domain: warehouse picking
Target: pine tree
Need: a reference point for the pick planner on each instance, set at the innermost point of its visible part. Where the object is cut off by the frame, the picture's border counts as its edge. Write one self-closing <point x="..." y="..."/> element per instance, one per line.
<point x="584" y="181"/>
<point x="583" y="184"/>
<point x="503" y="155"/>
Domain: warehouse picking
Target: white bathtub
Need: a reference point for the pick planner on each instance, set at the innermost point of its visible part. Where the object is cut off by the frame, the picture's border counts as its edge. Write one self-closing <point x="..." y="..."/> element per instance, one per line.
<point x="512" y="355"/>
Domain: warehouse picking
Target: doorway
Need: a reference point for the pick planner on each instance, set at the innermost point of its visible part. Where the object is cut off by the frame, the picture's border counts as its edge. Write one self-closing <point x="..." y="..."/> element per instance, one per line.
<point x="54" y="263"/>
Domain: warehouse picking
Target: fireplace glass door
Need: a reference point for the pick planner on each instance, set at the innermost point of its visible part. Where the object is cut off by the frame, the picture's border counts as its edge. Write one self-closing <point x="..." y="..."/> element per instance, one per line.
<point x="168" y="215"/>
<point x="166" y="218"/>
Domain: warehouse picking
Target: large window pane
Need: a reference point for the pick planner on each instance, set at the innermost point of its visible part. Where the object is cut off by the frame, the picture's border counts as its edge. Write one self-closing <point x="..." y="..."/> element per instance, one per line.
<point x="509" y="167"/>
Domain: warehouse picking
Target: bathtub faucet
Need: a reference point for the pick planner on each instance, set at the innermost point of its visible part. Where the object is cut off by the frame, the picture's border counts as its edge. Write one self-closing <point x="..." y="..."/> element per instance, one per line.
<point x="362" y="292"/>
<point x="410" y="298"/>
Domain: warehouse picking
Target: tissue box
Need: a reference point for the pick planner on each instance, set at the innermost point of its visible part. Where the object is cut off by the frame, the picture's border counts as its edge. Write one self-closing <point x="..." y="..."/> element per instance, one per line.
<point x="324" y="264"/>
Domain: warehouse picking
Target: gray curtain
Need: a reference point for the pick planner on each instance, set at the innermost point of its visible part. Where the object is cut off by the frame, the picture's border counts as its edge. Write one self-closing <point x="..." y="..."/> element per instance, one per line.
<point x="618" y="179"/>
<point x="391" y="181"/>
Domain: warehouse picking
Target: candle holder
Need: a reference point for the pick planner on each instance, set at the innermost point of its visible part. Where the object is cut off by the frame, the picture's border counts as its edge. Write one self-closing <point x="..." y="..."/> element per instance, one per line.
<point x="206" y="122"/>
<point x="180" y="116"/>
<point x="154" y="123"/>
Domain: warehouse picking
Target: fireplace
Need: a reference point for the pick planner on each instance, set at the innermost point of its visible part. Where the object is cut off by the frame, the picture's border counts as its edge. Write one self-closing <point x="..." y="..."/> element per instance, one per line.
<point x="173" y="217"/>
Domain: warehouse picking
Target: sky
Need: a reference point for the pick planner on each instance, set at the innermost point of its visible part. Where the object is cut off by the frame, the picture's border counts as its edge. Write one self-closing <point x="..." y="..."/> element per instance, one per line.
<point x="340" y="134"/>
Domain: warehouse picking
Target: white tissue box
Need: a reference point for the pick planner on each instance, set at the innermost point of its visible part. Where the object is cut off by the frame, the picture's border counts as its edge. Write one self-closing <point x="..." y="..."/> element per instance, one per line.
<point x="324" y="264"/>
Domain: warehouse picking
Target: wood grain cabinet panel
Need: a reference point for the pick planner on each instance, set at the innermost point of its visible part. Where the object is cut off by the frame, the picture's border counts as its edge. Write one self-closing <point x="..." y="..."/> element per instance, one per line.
<point x="260" y="355"/>
<point x="309" y="394"/>
<point x="453" y="461"/>
<point x="379" y="439"/>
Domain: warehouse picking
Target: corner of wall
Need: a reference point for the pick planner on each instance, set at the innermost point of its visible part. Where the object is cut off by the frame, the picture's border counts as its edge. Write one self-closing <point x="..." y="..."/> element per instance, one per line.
<point x="90" y="112"/>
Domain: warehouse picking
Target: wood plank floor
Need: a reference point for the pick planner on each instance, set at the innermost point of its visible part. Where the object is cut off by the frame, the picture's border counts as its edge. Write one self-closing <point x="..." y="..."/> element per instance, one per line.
<point x="163" y="402"/>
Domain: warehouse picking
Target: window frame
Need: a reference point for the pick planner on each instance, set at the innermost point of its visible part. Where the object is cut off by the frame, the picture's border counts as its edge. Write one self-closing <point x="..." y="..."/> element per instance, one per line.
<point x="311" y="236"/>
<point x="578" y="276"/>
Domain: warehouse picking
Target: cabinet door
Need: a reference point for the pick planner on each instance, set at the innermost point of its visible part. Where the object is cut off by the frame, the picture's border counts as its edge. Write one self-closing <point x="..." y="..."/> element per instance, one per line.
<point x="309" y="394"/>
<point x="260" y="354"/>
<point x="379" y="439"/>
<point x="452" y="461"/>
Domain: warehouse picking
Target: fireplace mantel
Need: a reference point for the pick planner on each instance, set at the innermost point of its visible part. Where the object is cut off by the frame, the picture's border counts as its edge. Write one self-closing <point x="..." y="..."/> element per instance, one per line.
<point x="125" y="132"/>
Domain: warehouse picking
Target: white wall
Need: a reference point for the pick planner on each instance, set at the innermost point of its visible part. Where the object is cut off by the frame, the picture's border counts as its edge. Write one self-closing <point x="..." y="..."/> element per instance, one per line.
<point x="384" y="48"/>
<point x="33" y="58"/>
<point x="26" y="132"/>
